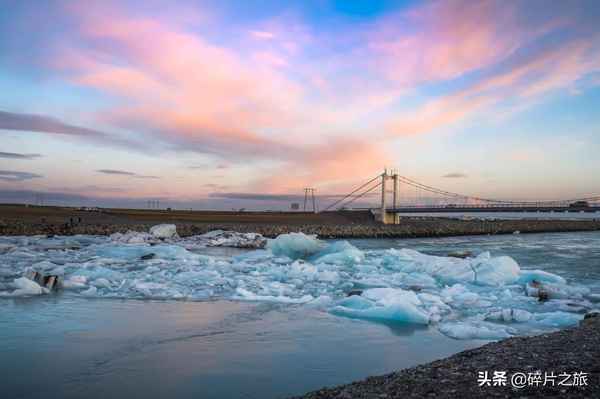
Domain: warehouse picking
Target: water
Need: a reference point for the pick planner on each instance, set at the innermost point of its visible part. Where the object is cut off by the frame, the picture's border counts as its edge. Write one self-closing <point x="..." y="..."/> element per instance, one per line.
<point x="69" y="345"/>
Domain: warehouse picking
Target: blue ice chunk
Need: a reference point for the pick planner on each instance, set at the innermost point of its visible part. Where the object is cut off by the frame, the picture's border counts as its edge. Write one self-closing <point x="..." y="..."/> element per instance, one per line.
<point x="386" y="304"/>
<point x="475" y="330"/>
<point x="356" y="302"/>
<point x="340" y="252"/>
<point x="527" y="276"/>
<point x="557" y="319"/>
<point x="496" y="271"/>
<point x="295" y="245"/>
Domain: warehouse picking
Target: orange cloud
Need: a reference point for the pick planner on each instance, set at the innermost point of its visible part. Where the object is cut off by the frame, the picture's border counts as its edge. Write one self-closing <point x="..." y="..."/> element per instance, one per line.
<point x="336" y="165"/>
<point x="180" y="84"/>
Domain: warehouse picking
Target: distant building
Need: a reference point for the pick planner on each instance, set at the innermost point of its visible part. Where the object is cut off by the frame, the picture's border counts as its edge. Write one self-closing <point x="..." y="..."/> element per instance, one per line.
<point x="294" y="206"/>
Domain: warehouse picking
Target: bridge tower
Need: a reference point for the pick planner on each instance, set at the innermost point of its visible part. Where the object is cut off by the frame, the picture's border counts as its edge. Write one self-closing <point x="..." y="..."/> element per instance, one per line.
<point x="396" y="198"/>
<point x="389" y="217"/>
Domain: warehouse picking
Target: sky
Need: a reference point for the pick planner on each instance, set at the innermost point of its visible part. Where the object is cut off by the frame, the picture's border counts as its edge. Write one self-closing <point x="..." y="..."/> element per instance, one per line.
<point x="221" y="104"/>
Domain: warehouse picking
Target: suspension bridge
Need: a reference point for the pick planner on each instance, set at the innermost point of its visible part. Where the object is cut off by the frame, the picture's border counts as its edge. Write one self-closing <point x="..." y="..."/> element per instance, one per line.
<point x="411" y="197"/>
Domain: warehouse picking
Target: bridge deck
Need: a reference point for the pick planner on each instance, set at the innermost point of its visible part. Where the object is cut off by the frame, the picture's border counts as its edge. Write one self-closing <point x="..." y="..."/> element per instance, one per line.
<point x="466" y="209"/>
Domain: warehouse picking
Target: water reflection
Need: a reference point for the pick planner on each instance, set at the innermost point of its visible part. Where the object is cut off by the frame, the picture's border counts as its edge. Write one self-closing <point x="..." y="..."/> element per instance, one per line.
<point x="108" y="348"/>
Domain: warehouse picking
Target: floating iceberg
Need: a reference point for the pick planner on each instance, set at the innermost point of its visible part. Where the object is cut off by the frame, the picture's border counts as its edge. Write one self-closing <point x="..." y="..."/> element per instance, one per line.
<point x="475" y="330"/>
<point x="25" y="287"/>
<point x="164" y="231"/>
<point x="385" y="304"/>
<point x="510" y="315"/>
<point x="340" y="252"/>
<point x="481" y="297"/>
<point x="495" y="271"/>
<point x="528" y="276"/>
<point x="482" y="269"/>
<point x="557" y="319"/>
<point x="295" y="245"/>
<point x="220" y="238"/>
<point x="132" y="237"/>
<point x="245" y="295"/>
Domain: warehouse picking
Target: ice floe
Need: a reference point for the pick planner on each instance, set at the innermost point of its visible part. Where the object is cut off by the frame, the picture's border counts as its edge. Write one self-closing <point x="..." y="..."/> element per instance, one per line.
<point x="476" y="297"/>
<point x="220" y="238"/>
<point x="385" y="304"/>
<point x="475" y="330"/>
<point x="167" y="233"/>
<point x="25" y="287"/>
<point x="164" y="231"/>
<point x="295" y="245"/>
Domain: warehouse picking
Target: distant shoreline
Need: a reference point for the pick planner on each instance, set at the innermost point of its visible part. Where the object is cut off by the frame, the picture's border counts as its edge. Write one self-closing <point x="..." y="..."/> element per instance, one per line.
<point x="23" y="220"/>
<point x="409" y="228"/>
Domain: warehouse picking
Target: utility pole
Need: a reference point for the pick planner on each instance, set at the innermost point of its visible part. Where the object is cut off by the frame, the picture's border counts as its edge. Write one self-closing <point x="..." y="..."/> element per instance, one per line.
<point x="309" y="196"/>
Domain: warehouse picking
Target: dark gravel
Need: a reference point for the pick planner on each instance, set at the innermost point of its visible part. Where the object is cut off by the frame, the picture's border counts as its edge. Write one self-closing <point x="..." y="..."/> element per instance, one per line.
<point x="572" y="350"/>
<point x="408" y="228"/>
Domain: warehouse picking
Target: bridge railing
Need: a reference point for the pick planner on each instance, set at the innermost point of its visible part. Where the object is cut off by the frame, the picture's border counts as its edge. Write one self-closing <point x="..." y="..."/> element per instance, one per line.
<point x="492" y="206"/>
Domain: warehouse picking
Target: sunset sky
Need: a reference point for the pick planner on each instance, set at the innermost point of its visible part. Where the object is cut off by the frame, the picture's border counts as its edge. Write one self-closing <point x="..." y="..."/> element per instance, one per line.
<point x="242" y="103"/>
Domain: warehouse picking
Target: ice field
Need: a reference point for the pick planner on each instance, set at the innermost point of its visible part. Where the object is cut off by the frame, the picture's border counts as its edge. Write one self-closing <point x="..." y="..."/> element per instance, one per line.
<point x="486" y="296"/>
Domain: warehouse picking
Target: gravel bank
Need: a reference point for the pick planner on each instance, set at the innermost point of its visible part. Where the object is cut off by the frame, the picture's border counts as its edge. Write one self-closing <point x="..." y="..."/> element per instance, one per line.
<point x="572" y="350"/>
<point x="409" y="227"/>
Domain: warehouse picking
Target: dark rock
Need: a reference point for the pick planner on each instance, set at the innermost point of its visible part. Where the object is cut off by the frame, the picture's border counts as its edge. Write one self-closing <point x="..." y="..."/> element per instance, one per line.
<point x="148" y="256"/>
<point x="354" y="292"/>
<point x="591" y="315"/>
<point x="51" y="282"/>
<point x="461" y="254"/>
<point x="543" y="295"/>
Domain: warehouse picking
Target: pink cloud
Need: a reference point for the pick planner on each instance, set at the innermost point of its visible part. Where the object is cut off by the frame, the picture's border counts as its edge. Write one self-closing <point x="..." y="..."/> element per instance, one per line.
<point x="445" y="39"/>
<point x="524" y="80"/>
<point x="325" y="119"/>
<point x="182" y="84"/>
<point x="338" y="164"/>
<point x="262" y="35"/>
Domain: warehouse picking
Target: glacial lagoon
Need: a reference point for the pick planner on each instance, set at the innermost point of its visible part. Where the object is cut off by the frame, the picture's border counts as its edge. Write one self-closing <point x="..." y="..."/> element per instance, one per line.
<point x="212" y="322"/>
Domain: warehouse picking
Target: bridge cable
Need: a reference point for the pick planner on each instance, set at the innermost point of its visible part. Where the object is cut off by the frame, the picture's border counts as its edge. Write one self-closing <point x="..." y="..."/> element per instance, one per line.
<point x="359" y="188"/>
<point x="431" y="189"/>
<point x="361" y="195"/>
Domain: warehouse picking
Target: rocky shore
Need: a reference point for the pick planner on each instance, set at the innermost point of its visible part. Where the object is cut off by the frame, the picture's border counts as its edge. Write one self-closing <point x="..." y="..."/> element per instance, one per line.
<point x="574" y="350"/>
<point x="408" y="228"/>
